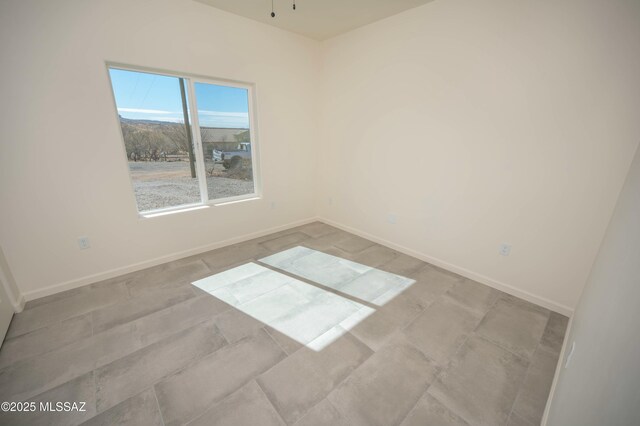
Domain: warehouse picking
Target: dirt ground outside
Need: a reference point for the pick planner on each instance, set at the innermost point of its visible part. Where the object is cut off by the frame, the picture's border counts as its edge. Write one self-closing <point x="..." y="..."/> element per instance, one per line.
<point x="161" y="184"/>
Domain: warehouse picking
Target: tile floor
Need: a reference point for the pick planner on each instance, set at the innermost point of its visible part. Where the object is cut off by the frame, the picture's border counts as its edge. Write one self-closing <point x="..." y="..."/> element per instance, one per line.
<point x="309" y="326"/>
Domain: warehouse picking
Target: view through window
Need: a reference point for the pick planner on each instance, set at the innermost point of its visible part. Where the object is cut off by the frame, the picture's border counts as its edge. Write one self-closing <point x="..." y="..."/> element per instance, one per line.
<point x="177" y="158"/>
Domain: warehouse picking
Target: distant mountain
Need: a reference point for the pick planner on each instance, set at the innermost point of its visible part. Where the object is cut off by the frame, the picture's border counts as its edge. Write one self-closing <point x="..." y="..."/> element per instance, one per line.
<point x="209" y="134"/>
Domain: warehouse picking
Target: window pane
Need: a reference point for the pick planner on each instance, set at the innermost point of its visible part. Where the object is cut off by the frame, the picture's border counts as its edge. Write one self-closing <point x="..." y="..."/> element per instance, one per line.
<point x="223" y="114"/>
<point x="156" y="140"/>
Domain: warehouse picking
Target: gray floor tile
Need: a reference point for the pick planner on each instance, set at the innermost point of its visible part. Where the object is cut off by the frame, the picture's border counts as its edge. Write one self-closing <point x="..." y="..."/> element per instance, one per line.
<point x="148" y="282"/>
<point x="372" y="284"/>
<point x="403" y="265"/>
<point x="139" y="410"/>
<point x="323" y="414"/>
<point x="245" y="290"/>
<point x="190" y="392"/>
<point x="28" y="378"/>
<point x="222" y="258"/>
<point x="79" y="303"/>
<point x="296" y="309"/>
<point x="428" y="411"/>
<point x="317" y="229"/>
<point x="137" y="307"/>
<point x="45" y="339"/>
<point x="326" y="242"/>
<point x="334" y="251"/>
<point x="474" y="296"/>
<point x="374" y="328"/>
<point x="441" y="329"/>
<point x="58" y="296"/>
<point x="532" y="398"/>
<point x="80" y="390"/>
<point x="375" y="256"/>
<point x="401" y="306"/>
<point x="515" y="326"/>
<point x="131" y="374"/>
<point x="516" y="420"/>
<point x="385" y="388"/>
<point x="303" y="379"/>
<point x="159" y="354"/>
<point x="316" y="266"/>
<point x="181" y="316"/>
<point x="315" y="318"/>
<point x="431" y="283"/>
<point x="554" y="332"/>
<point x="285" y="242"/>
<point x="275" y="304"/>
<point x="286" y="343"/>
<point x="353" y="244"/>
<point x="236" y="325"/>
<point x="247" y="406"/>
<point x="108" y="283"/>
<point x="481" y="382"/>
<point x="229" y="276"/>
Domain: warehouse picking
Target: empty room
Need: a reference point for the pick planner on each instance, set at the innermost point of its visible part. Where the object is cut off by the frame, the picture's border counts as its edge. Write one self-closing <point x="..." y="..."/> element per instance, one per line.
<point x="320" y="212"/>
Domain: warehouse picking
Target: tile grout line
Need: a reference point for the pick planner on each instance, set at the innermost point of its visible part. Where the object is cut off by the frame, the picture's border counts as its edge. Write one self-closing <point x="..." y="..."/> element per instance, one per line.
<point x="318" y="285"/>
<point x="453" y="355"/>
<point x="155" y="394"/>
<point x="255" y="379"/>
<point x="526" y="375"/>
<point x="414" y="405"/>
<point x="265" y="328"/>
<point x="95" y="392"/>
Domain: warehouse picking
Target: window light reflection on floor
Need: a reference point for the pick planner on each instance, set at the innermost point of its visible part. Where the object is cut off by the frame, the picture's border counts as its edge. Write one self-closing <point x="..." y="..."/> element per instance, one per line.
<point x="306" y="313"/>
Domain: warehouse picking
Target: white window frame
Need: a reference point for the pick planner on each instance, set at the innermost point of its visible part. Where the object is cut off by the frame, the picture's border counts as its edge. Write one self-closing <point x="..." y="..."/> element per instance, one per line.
<point x="196" y="137"/>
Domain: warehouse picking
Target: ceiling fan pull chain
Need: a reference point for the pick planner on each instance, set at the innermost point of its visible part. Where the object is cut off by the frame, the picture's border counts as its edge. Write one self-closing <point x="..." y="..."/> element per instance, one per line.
<point x="294" y="4"/>
<point x="273" y="14"/>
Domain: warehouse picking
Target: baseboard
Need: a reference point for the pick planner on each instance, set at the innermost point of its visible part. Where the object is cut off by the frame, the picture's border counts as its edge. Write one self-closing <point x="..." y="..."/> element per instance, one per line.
<point x="18" y="306"/>
<point x="90" y="279"/>
<point x="556" y="376"/>
<point x="538" y="300"/>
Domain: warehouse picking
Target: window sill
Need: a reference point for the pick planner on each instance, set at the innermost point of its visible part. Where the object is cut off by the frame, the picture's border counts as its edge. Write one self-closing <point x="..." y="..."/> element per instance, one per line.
<point x="194" y="207"/>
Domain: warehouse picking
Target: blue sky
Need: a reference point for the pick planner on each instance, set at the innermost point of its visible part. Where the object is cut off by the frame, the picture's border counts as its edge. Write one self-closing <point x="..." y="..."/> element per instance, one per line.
<point x="157" y="97"/>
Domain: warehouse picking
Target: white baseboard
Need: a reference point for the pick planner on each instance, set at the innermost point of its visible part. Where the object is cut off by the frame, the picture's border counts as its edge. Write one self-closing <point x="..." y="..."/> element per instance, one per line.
<point x="538" y="300"/>
<point x="90" y="279"/>
<point x="559" y="368"/>
<point x="18" y="306"/>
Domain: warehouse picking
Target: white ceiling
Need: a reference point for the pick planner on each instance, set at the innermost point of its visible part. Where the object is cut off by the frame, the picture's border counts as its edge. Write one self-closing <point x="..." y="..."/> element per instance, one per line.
<point x="317" y="19"/>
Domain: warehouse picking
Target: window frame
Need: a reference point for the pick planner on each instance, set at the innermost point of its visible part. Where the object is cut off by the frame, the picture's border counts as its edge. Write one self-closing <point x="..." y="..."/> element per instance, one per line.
<point x="194" y="126"/>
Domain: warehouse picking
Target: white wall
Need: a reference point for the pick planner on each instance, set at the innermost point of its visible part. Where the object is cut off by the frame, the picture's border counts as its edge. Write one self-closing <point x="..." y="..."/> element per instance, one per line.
<point x="482" y="122"/>
<point x="62" y="168"/>
<point x="601" y="385"/>
<point x="474" y="122"/>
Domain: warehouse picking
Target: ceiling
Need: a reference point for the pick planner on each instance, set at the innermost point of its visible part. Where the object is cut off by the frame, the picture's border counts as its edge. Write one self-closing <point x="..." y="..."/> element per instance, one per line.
<point x="317" y="19"/>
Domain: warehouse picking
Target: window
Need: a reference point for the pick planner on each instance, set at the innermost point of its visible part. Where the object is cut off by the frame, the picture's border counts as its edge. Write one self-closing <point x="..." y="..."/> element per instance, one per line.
<point x="177" y="158"/>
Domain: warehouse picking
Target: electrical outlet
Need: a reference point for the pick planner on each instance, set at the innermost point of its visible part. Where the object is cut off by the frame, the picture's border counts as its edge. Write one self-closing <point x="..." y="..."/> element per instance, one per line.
<point x="83" y="243"/>
<point x="392" y="219"/>
<point x="505" y="249"/>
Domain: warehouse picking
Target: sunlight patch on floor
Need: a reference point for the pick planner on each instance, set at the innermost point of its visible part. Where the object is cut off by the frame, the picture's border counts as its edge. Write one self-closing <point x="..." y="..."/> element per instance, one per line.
<point x="306" y="313"/>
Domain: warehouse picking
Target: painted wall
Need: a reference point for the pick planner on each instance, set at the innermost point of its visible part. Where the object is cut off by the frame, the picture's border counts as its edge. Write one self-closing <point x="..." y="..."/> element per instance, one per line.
<point x="62" y="167"/>
<point x="482" y="122"/>
<point x="473" y="123"/>
<point x="601" y="385"/>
